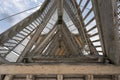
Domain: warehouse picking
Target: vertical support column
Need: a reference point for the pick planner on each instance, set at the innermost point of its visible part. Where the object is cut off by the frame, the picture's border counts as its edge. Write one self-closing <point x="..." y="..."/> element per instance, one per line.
<point x="0" y="77"/>
<point x="60" y="7"/>
<point x="60" y="11"/>
<point x="115" y="77"/>
<point x="106" y="22"/>
<point x="29" y="77"/>
<point x="8" y="77"/>
<point x="89" y="77"/>
<point x="118" y="77"/>
<point x="59" y="77"/>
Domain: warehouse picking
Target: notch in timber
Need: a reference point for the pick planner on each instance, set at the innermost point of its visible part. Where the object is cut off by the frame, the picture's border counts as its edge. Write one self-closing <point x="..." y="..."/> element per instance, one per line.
<point x="59" y="20"/>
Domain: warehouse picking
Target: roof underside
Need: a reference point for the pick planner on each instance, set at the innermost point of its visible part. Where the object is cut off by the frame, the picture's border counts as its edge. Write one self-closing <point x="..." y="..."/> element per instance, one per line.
<point x="65" y="33"/>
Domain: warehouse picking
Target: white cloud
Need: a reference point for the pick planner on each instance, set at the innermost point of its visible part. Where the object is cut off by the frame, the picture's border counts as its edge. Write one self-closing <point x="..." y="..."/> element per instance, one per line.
<point x="36" y="1"/>
<point x="11" y="7"/>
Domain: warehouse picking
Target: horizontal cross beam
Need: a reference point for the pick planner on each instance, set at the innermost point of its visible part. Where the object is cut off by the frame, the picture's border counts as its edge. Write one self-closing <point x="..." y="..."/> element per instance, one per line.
<point x="84" y="69"/>
<point x="83" y="59"/>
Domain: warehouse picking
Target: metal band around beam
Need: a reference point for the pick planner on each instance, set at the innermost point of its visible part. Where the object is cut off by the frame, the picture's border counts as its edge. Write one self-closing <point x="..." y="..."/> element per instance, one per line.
<point x="83" y="69"/>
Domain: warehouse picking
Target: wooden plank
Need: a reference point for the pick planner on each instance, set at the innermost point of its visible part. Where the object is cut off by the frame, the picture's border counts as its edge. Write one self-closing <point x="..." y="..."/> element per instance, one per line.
<point x="84" y="69"/>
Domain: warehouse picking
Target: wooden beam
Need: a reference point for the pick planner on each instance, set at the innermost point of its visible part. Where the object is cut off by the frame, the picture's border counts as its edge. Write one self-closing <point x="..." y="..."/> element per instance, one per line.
<point x="54" y="49"/>
<point x="2" y="60"/>
<point x="108" y="28"/>
<point x="38" y="50"/>
<point x="60" y="7"/>
<point x="74" y="47"/>
<point x="83" y="59"/>
<point x="40" y="39"/>
<point x="43" y="43"/>
<point x="51" y="45"/>
<point x="74" y="20"/>
<point x="69" y="50"/>
<point x="36" y="34"/>
<point x="81" y="26"/>
<point x="84" y="69"/>
<point x="72" y="37"/>
<point x="48" y="52"/>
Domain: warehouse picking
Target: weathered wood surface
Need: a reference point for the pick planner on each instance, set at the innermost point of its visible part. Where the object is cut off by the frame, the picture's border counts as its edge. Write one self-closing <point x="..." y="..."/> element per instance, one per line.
<point x="105" y="15"/>
<point x="60" y="69"/>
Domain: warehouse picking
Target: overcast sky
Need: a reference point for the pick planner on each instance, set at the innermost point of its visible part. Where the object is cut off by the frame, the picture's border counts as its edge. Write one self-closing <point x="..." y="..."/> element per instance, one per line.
<point x="10" y="7"/>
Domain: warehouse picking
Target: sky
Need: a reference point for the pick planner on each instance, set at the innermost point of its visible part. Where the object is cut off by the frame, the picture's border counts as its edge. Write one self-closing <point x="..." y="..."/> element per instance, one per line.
<point x="10" y="7"/>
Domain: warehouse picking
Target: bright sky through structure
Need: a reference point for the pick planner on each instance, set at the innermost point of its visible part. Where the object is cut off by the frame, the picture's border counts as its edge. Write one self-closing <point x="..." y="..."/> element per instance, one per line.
<point x="10" y="7"/>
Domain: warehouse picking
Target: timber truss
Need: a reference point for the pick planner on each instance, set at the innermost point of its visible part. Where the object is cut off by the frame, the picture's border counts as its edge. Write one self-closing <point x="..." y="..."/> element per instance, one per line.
<point x="64" y="31"/>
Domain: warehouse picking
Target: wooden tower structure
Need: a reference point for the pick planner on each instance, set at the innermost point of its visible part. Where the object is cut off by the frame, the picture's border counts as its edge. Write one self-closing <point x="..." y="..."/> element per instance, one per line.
<point x="64" y="40"/>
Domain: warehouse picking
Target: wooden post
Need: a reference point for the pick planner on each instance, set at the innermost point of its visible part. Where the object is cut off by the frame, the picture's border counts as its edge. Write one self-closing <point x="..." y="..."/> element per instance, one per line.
<point x="8" y="77"/>
<point x="59" y="77"/>
<point x="118" y="77"/>
<point x="89" y="77"/>
<point x="0" y="77"/>
<point x="29" y="77"/>
<point x="108" y="28"/>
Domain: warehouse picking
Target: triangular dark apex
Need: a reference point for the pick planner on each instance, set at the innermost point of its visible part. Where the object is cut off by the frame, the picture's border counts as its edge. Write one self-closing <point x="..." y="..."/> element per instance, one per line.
<point x="60" y="20"/>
